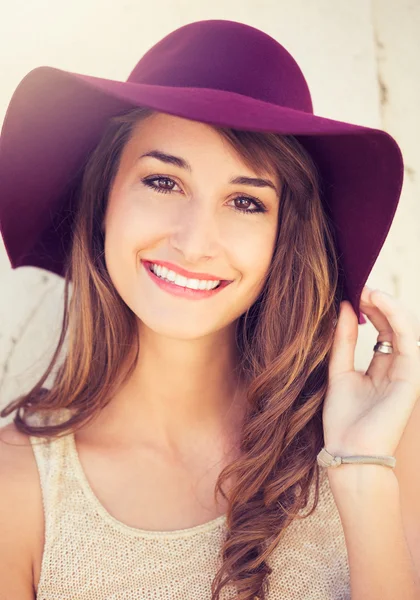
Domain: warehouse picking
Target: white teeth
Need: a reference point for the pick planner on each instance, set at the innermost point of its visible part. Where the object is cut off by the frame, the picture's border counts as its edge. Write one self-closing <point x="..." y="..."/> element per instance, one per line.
<point x="180" y="280"/>
<point x="194" y="284"/>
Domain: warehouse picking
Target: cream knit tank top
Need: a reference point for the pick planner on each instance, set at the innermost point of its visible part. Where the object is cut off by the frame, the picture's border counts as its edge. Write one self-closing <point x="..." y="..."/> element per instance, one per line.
<point x="90" y="555"/>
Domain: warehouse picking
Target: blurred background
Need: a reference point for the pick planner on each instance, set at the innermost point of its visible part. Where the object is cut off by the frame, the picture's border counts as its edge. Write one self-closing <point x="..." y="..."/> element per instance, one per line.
<point x="359" y="58"/>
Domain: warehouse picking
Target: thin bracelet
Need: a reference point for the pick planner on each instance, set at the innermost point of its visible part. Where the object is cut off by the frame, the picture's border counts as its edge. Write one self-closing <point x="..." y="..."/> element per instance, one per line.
<point x="325" y="459"/>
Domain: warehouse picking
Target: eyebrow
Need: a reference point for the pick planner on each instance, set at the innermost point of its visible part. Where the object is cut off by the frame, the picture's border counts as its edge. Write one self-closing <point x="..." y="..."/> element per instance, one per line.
<point x="183" y="164"/>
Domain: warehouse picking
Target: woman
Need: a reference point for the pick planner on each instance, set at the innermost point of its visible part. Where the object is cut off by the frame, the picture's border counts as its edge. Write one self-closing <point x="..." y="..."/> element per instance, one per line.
<point x="210" y="353"/>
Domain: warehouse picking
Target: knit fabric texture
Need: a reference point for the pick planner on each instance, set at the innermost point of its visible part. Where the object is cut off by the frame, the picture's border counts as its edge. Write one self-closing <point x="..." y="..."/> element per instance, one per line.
<point x="90" y="555"/>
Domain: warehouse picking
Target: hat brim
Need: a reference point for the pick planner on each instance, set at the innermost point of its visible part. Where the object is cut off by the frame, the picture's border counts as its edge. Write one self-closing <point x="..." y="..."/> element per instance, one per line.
<point x="56" y="117"/>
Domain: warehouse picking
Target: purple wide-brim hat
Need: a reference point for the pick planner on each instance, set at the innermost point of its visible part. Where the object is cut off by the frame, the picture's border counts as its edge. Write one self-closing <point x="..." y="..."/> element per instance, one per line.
<point x="215" y="71"/>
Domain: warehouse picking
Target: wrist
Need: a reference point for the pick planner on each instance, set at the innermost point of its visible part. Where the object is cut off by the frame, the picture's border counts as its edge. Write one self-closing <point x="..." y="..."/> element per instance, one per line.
<point x="361" y="479"/>
<point x="328" y="459"/>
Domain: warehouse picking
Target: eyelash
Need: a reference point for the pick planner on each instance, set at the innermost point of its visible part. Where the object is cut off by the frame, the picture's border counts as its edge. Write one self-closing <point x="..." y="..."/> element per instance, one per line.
<point x="260" y="207"/>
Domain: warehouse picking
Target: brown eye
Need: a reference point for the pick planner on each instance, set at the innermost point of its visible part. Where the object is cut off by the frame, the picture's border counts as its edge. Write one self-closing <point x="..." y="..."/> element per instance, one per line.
<point x="260" y="208"/>
<point x="150" y="183"/>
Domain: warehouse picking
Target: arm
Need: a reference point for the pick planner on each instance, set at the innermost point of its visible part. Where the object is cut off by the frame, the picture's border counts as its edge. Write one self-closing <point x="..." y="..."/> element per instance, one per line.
<point x="380" y="512"/>
<point x="380" y="560"/>
<point x="370" y="413"/>
<point x="15" y="517"/>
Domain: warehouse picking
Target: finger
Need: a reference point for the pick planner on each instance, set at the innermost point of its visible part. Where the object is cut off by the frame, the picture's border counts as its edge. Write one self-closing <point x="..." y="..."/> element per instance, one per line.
<point x="345" y="339"/>
<point x="380" y="362"/>
<point x="402" y="322"/>
<point x="406" y="363"/>
<point x="376" y="316"/>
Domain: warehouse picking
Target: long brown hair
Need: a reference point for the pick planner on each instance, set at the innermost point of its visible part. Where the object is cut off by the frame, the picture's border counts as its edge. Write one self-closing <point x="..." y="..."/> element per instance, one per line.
<point x="285" y="339"/>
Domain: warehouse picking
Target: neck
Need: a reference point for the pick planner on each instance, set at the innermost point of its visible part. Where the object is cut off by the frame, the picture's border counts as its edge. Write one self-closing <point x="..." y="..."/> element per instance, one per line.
<point x="179" y="391"/>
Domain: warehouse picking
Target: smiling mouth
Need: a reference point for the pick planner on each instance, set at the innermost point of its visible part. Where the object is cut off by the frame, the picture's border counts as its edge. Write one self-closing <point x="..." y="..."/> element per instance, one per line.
<point x="149" y="266"/>
<point x="184" y="290"/>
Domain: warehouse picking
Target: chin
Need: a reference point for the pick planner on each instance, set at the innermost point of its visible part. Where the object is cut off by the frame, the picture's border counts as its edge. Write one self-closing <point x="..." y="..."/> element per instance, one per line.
<point x="178" y="327"/>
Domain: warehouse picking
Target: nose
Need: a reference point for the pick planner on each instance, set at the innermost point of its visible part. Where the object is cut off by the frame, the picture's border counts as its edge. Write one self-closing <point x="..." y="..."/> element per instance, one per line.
<point x="196" y="233"/>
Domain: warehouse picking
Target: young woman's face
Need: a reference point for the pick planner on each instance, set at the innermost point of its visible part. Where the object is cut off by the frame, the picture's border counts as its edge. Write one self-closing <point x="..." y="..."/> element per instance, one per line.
<point x="204" y="224"/>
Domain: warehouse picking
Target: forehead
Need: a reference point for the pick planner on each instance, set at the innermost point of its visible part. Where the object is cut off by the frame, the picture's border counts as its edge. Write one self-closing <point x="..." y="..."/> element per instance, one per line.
<point x="165" y="127"/>
<point x="193" y="140"/>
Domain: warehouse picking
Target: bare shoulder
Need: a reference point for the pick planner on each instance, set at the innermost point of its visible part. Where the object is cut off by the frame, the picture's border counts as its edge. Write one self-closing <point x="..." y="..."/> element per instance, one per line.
<point x="21" y="514"/>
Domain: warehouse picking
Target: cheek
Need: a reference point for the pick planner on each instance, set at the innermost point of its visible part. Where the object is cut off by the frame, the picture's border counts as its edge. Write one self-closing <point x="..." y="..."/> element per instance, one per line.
<point x="123" y="240"/>
<point x="131" y="226"/>
<point x="133" y="229"/>
<point x="254" y="252"/>
<point x="252" y="259"/>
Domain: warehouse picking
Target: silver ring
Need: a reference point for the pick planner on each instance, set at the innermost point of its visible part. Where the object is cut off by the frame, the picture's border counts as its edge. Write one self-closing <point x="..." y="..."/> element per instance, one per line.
<point x="386" y="347"/>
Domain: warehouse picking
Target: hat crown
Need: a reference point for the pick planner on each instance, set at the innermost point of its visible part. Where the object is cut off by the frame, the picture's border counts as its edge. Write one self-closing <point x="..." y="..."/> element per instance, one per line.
<point x="229" y="56"/>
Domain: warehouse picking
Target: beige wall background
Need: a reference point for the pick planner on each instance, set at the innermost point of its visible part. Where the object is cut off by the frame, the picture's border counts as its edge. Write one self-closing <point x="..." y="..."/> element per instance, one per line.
<point x="360" y="59"/>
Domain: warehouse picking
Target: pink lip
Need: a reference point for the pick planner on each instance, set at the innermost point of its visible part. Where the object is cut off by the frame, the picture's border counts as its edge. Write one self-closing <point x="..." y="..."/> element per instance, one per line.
<point x="177" y="290"/>
<point x="181" y="271"/>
